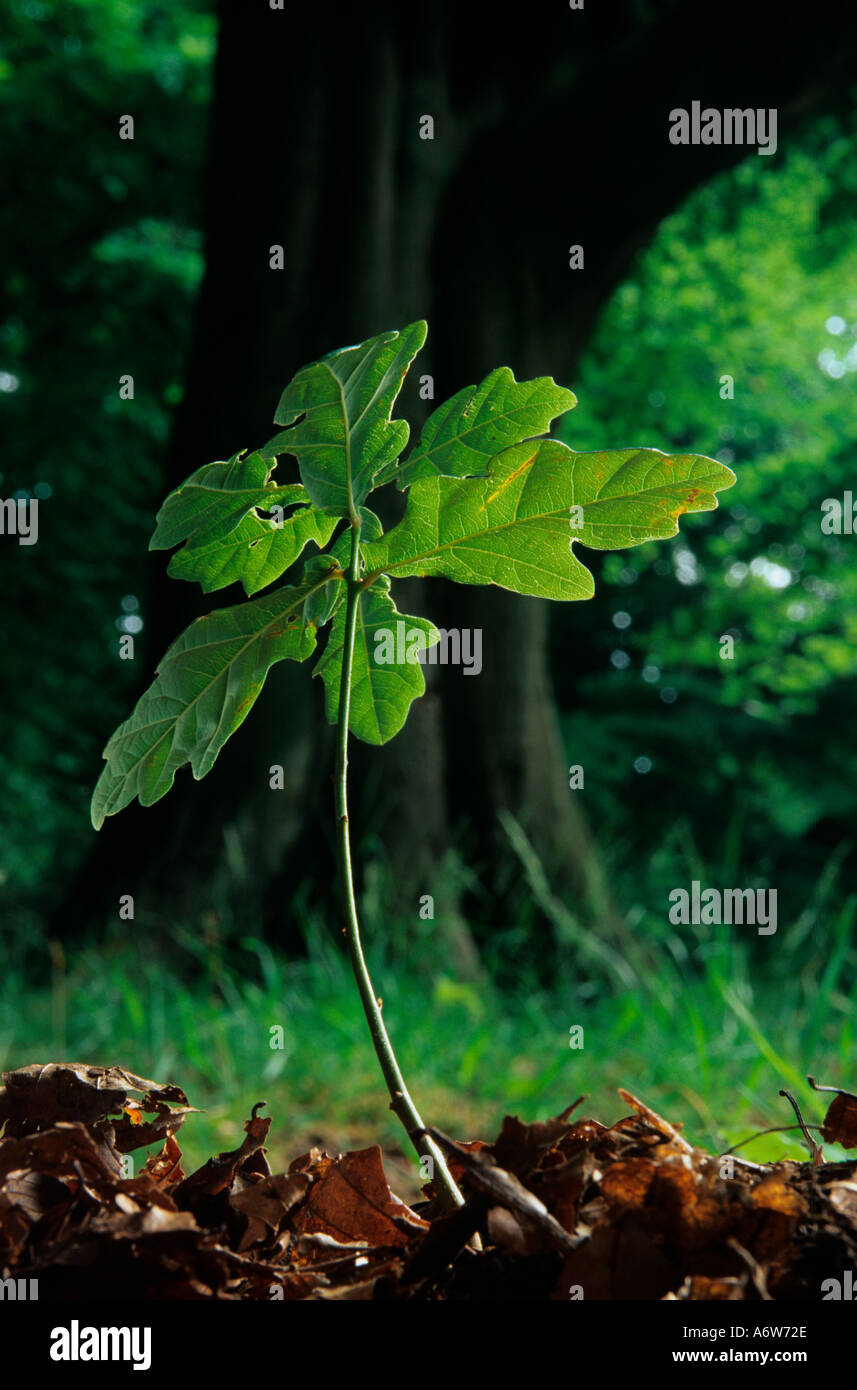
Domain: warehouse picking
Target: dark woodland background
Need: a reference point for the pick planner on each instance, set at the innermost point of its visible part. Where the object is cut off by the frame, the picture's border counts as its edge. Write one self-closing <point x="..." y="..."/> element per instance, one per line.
<point x="257" y="127"/>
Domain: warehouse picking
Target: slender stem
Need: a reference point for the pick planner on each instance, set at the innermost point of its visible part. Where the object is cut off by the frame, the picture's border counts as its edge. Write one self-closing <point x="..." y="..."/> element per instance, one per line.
<point x="400" y="1100"/>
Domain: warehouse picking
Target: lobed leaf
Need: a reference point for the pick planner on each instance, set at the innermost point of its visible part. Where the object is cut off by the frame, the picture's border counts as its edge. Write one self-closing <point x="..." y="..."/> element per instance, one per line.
<point x="206" y="685"/>
<point x="212" y="501"/>
<point x="464" y="434"/>
<point x="256" y="553"/>
<point x="322" y="603"/>
<point x="381" y="691"/>
<point x="513" y="528"/>
<point x="338" y="415"/>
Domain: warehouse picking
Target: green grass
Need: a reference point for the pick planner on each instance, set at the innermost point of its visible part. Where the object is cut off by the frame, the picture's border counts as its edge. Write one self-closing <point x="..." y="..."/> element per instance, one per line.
<point x="705" y="1024"/>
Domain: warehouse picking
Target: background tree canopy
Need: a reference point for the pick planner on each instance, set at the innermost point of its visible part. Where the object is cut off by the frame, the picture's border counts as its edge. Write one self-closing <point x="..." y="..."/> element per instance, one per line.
<point x="753" y="277"/>
<point x="102" y="257"/>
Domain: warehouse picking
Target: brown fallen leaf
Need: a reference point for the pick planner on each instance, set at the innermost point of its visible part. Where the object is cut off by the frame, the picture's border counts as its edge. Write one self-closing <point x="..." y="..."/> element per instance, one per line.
<point x="562" y="1183"/>
<point x="67" y="1151"/>
<point x="516" y="1235"/>
<point x="350" y="1200"/>
<point x="507" y="1190"/>
<point x="776" y="1191"/>
<point x="34" y="1097"/>
<point x="133" y="1131"/>
<point x="15" y="1228"/>
<point x="165" y="1167"/>
<point x="656" y="1121"/>
<point x="626" y="1184"/>
<point x="34" y="1193"/>
<point x="521" y="1148"/>
<point x="700" y="1287"/>
<point x="263" y="1206"/>
<point x="840" y="1122"/>
<point x="620" y="1260"/>
<point x="220" y="1172"/>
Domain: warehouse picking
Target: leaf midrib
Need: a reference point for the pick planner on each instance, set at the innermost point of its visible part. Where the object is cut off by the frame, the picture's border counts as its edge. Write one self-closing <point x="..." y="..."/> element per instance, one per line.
<point x="507" y="525"/>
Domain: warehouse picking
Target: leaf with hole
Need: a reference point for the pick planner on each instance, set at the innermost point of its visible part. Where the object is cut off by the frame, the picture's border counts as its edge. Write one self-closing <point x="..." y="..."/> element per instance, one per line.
<point x="256" y="552"/>
<point x="213" y="500"/>
<point x="464" y="434"/>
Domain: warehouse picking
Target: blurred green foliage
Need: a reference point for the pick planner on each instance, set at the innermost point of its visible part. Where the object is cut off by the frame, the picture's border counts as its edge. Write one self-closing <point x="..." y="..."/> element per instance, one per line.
<point x="102" y="253"/>
<point x="754" y="278"/>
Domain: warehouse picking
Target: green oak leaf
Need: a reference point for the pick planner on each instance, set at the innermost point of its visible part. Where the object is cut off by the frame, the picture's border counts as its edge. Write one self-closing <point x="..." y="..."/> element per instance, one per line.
<point x="382" y="691"/>
<point x="206" y="685"/>
<point x="338" y="414"/>
<point x="212" y="501"/>
<point x="463" y="435"/>
<point x="323" y="605"/>
<point x="489" y="503"/>
<point x="257" y="552"/>
<point x="323" y="602"/>
<point x="515" y="528"/>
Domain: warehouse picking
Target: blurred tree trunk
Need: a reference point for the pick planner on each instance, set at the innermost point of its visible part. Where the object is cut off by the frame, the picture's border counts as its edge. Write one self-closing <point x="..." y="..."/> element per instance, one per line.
<point x="315" y="147"/>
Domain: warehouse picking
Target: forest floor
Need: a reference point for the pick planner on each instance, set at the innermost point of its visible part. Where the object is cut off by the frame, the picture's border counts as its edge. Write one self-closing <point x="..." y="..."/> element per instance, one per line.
<point x="726" y="1197"/>
<point x="564" y="1209"/>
